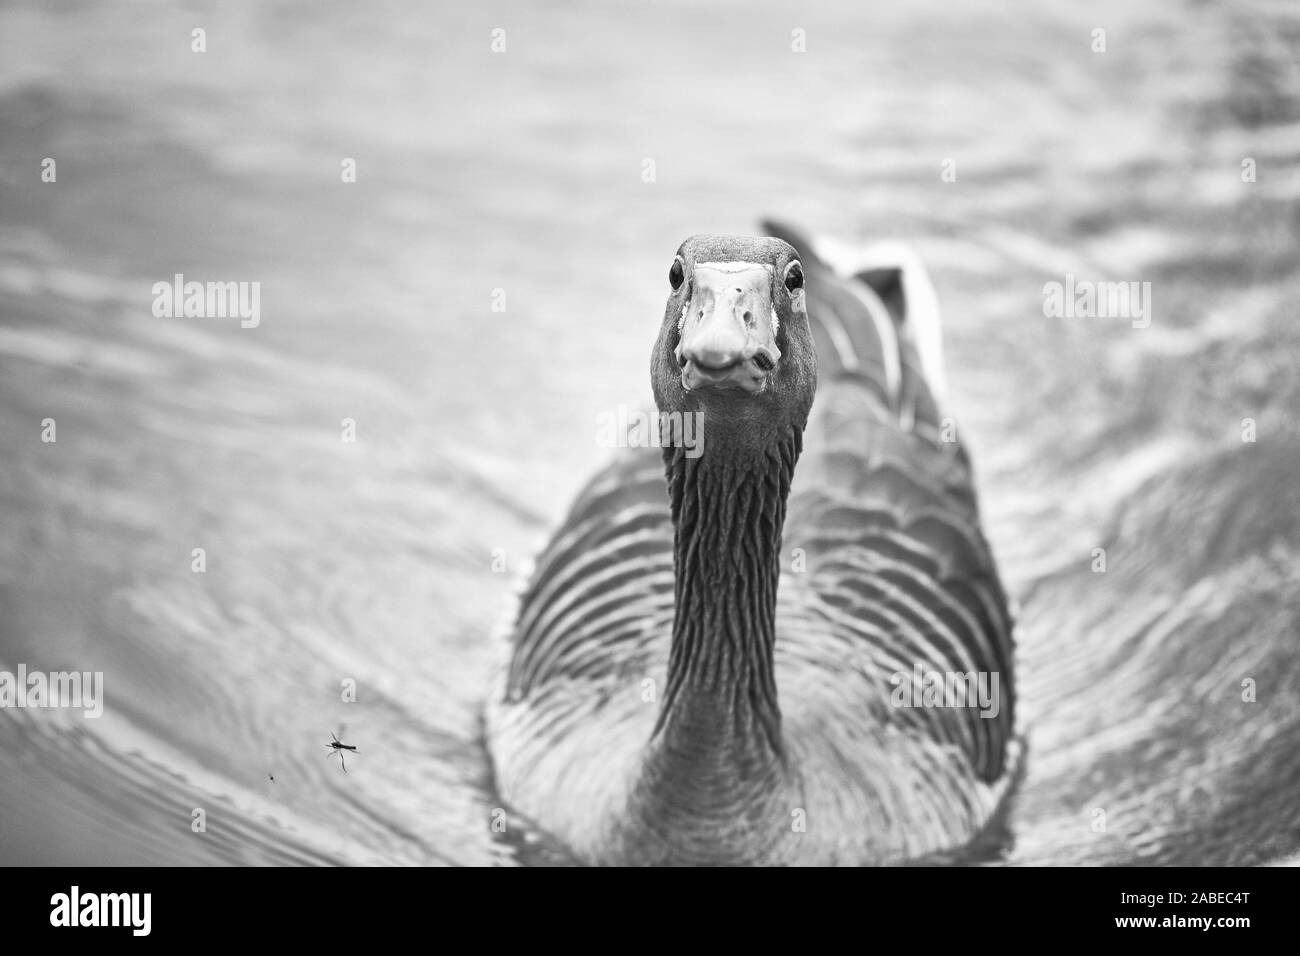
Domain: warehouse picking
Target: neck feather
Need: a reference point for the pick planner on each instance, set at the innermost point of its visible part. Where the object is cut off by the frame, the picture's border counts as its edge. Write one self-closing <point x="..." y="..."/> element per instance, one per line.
<point x="728" y="508"/>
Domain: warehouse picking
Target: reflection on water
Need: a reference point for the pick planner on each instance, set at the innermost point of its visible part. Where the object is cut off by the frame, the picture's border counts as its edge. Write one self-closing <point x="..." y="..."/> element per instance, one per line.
<point x="372" y="561"/>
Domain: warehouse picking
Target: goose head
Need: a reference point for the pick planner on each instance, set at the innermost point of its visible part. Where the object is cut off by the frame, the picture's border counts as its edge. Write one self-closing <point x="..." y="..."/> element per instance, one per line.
<point x="735" y="342"/>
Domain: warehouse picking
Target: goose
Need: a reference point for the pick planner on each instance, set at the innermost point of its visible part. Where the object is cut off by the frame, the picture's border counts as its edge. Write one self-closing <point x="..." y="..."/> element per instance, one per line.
<point x="741" y="670"/>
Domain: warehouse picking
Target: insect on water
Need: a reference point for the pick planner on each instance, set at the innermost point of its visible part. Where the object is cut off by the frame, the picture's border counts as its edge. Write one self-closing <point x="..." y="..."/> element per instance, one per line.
<point x="337" y="747"/>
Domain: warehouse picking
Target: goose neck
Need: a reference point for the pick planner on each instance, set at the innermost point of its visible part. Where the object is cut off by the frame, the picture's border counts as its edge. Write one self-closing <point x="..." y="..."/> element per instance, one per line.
<point x="720" y="706"/>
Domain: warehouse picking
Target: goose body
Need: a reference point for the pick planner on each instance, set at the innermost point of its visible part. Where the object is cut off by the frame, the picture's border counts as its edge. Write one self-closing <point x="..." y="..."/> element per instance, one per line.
<point x="720" y="661"/>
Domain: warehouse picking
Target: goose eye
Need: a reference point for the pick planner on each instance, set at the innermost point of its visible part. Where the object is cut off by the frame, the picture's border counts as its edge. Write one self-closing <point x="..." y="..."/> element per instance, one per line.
<point x="676" y="275"/>
<point x="794" y="276"/>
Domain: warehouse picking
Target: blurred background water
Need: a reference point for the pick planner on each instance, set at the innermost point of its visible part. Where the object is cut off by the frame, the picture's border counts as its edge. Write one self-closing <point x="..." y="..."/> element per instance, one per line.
<point x="522" y="171"/>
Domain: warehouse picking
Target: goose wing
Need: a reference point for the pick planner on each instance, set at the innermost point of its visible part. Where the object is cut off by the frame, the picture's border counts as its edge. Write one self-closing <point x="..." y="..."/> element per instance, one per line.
<point x="896" y="572"/>
<point x="599" y="605"/>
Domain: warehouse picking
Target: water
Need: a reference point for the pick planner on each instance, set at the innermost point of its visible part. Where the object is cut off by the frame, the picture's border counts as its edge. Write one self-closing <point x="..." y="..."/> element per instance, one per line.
<point x="523" y="172"/>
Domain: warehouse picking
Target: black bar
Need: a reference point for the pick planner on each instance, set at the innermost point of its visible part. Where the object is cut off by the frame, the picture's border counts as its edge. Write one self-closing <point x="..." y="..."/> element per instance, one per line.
<point x="937" y="907"/>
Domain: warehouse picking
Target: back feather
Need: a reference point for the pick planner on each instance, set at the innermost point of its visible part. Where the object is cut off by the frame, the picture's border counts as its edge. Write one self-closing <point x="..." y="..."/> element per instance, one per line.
<point x="884" y="501"/>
